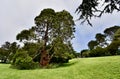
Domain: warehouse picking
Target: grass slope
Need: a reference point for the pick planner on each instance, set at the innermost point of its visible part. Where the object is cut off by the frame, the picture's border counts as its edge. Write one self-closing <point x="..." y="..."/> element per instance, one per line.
<point x="85" y="68"/>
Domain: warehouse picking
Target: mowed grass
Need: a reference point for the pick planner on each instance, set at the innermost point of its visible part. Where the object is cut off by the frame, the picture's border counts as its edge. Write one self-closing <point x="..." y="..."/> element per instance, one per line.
<point x="85" y="68"/>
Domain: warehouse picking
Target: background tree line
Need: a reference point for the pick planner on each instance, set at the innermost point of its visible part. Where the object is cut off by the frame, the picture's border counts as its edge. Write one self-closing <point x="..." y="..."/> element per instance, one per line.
<point x="104" y="44"/>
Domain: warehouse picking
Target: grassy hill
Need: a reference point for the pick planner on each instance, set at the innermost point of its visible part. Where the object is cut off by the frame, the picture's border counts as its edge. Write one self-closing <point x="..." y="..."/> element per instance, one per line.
<point x="85" y="68"/>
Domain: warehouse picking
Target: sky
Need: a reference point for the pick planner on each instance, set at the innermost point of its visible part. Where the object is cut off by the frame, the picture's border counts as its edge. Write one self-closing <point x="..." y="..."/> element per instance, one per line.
<point x="17" y="15"/>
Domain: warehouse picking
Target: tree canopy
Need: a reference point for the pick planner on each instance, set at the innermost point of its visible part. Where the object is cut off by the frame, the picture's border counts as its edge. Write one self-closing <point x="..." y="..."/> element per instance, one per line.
<point x="117" y="35"/>
<point x="107" y="43"/>
<point x="55" y="29"/>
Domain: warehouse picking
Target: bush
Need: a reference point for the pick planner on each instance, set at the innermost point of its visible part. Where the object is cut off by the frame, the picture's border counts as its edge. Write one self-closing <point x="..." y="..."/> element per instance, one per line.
<point x="22" y="60"/>
<point x="18" y="54"/>
<point x="25" y="63"/>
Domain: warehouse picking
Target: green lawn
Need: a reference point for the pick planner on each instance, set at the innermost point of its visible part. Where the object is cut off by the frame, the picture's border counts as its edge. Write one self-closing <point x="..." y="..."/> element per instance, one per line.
<point x="85" y="68"/>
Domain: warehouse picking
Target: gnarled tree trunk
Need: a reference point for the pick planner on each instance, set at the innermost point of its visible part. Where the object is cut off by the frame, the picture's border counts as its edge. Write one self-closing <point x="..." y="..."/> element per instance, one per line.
<point x="45" y="58"/>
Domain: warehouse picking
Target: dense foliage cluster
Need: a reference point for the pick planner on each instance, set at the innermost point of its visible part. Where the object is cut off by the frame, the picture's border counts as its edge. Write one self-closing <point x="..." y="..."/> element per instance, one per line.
<point x="22" y="60"/>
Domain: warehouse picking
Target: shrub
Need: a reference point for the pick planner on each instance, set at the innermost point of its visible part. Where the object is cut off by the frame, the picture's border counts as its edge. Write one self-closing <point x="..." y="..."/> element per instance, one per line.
<point x="18" y="54"/>
<point x="24" y="63"/>
<point x="22" y="60"/>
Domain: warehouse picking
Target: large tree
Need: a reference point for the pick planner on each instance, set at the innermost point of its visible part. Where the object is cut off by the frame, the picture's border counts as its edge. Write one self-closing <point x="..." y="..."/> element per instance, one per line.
<point x="54" y="29"/>
<point x="90" y="8"/>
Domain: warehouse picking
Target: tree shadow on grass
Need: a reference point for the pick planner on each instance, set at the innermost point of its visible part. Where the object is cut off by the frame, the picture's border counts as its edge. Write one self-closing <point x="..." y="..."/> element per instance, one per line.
<point x="67" y="64"/>
<point x="51" y="66"/>
<point x="60" y="65"/>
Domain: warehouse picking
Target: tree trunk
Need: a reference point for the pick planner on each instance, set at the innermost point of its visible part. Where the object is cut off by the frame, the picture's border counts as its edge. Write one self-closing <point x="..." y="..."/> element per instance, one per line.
<point x="45" y="58"/>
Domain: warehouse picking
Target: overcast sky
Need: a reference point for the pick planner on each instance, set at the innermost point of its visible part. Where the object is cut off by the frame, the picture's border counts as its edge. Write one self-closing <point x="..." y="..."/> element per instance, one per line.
<point x="16" y="15"/>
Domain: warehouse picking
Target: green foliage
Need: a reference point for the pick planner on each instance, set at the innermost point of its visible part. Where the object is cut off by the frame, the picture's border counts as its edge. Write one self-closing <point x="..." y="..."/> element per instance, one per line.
<point x="92" y="44"/>
<point x="109" y="32"/>
<point x="19" y="53"/>
<point x="55" y="29"/>
<point x="50" y="37"/>
<point x="26" y="35"/>
<point x="3" y="55"/>
<point x="13" y="49"/>
<point x="85" y="53"/>
<point x="22" y="60"/>
<point x="107" y="43"/>
<point x="32" y="48"/>
<point x="62" y="52"/>
<point x="118" y="52"/>
<point x="25" y="63"/>
<point x="7" y="51"/>
<point x="99" y="52"/>
<point x="113" y="47"/>
<point x="100" y="38"/>
<point x="117" y="35"/>
<point x="51" y="25"/>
